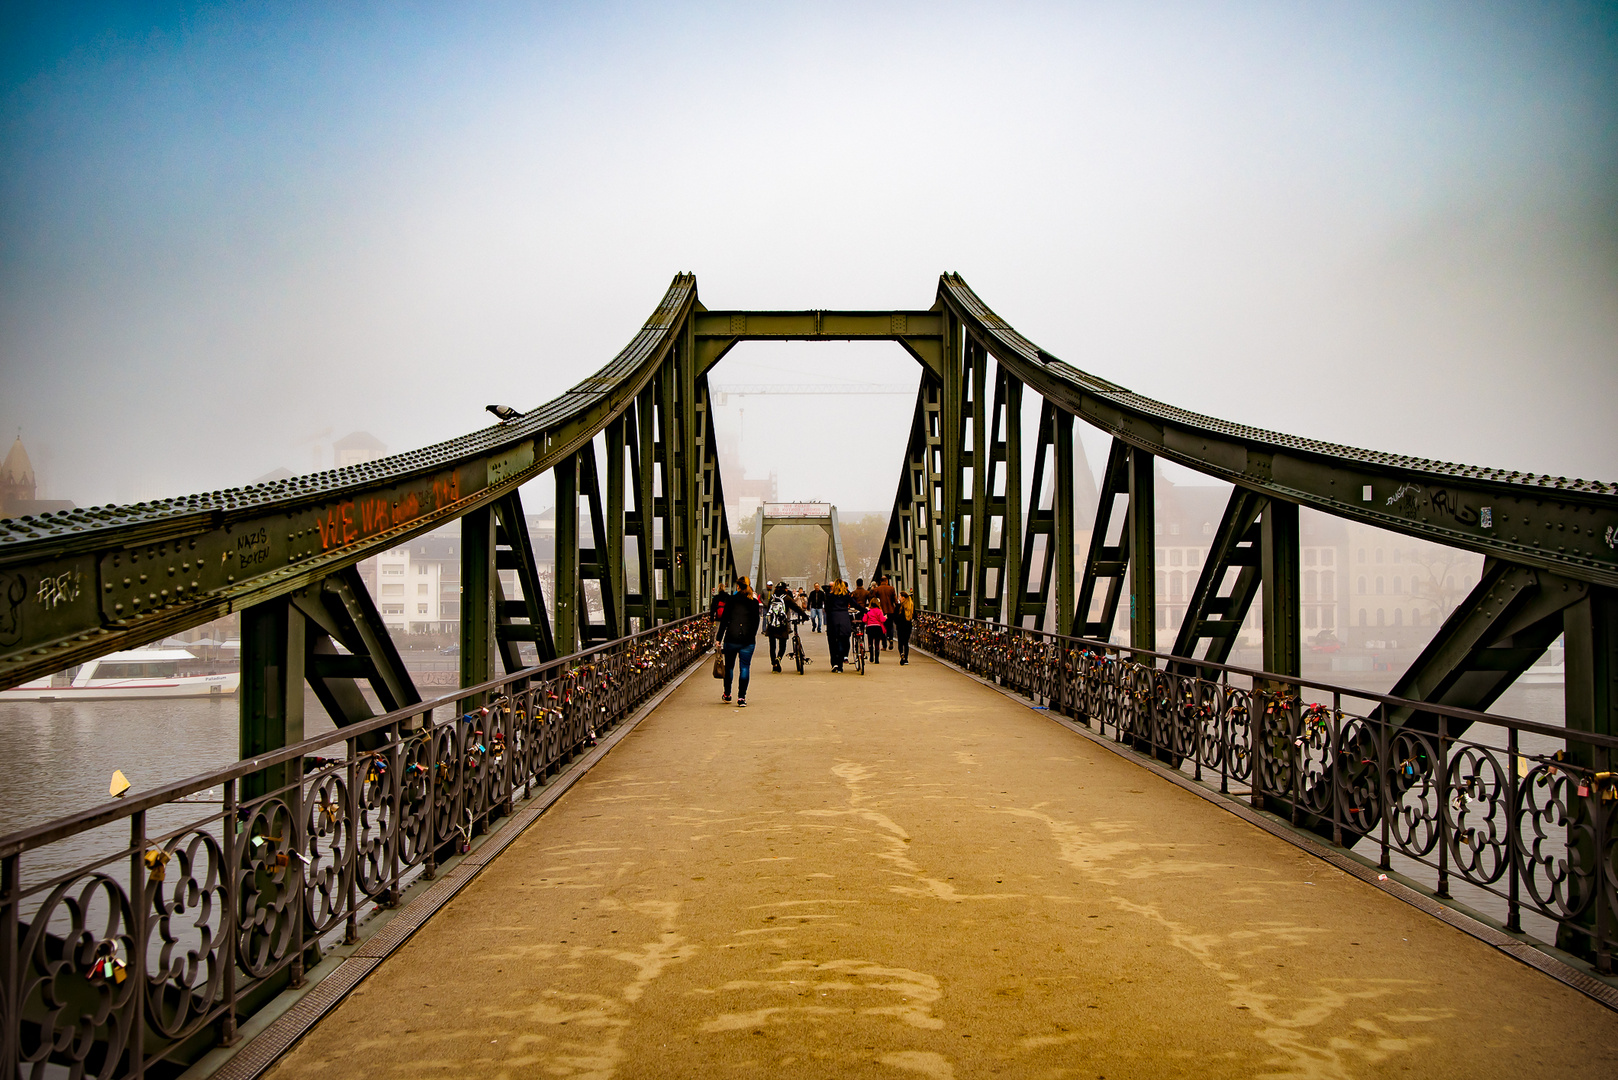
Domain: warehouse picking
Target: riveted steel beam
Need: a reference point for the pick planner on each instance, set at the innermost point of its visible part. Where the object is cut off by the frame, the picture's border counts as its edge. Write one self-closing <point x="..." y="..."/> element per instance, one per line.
<point x="1221" y="599"/>
<point x="480" y="596"/>
<point x="975" y="541"/>
<point x="1032" y="596"/>
<point x="593" y="560"/>
<point x="1107" y="563"/>
<point x="1008" y="589"/>
<point x="1283" y="635"/>
<point x="566" y="591"/>
<point x="269" y="699"/>
<point x="1569" y="527"/>
<point x="340" y="611"/>
<point x="514" y="550"/>
<point x="920" y="333"/>
<point x="1505" y="623"/>
<point x="1142" y="526"/>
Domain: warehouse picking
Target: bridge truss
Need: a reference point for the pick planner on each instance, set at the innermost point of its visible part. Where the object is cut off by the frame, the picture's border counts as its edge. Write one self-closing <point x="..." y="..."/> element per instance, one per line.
<point x="641" y="537"/>
<point x="631" y="450"/>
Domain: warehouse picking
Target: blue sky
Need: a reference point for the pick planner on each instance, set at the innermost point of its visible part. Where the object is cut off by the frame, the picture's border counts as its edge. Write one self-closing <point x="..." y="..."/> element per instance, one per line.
<point x="226" y="229"/>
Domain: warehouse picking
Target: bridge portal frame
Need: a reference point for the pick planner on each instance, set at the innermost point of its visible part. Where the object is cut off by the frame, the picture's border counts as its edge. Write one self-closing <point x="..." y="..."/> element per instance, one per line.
<point x="766" y="519"/>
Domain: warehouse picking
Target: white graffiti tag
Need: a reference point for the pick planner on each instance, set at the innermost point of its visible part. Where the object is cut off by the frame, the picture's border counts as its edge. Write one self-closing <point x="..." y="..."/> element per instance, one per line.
<point x="1612" y="536"/>
<point x="61" y="589"/>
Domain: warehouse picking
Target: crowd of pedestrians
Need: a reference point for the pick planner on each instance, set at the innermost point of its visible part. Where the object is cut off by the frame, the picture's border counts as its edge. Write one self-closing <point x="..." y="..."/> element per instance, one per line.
<point x="883" y="612"/>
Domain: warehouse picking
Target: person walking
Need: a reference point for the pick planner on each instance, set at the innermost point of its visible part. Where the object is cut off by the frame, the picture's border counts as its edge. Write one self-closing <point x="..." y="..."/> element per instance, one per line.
<point x="889" y="600"/>
<point x="741" y="637"/>
<point x="857" y="593"/>
<point x="778" y="622"/>
<point x="817" y="609"/>
<point x="716" y="612"/>
<point x="875" y="629"/>
<point x="839" y="626"/>
<point x="904" y="617"/>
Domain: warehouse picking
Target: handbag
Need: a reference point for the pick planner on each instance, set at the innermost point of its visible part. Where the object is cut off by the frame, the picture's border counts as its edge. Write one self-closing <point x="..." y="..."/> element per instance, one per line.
<point x="719" y="665"/>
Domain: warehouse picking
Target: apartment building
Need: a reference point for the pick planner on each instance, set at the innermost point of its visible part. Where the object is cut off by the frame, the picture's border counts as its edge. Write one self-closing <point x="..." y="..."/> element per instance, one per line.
<point x="418" y="586"/>
<point x="1187" y="517"/>
<point x="1399" y="582"/>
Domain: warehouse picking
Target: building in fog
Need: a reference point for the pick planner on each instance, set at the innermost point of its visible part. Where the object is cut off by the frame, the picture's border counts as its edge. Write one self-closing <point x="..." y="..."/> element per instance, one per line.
<point x="356" y="447"/>
<point x="1187" y="516"/>
<point x="418" y="586"/>
<point x="743" y="494"/>
<point x="1397" y="582"/>
<point x="18" y="488"/>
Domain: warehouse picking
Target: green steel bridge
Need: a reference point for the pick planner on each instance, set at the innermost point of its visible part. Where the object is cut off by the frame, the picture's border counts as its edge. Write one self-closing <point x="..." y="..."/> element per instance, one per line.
<point x="152" y="957"/>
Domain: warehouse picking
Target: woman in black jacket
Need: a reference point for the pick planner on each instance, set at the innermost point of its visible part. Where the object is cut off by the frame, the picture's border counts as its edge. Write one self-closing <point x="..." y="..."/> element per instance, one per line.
<point x="741" y="636"/>
<point x="838" y="624"/>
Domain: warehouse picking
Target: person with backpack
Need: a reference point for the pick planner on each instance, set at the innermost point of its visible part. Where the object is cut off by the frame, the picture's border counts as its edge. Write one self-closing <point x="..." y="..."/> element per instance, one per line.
<point x="778" y="622"/>
<point x="741" y="637"/>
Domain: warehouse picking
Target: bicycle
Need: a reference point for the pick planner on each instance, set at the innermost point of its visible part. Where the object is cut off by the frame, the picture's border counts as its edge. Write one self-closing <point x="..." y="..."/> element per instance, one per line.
<point x="798" y="655"/>
<point x="856" y="650"/>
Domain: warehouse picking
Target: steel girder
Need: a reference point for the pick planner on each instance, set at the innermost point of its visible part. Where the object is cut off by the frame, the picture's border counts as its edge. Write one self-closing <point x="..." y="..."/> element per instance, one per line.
<point x="1569" y="528"/>
<point x="294" y="639"/>
<point x="910" y="551"/>
<point x="514" y="551"/>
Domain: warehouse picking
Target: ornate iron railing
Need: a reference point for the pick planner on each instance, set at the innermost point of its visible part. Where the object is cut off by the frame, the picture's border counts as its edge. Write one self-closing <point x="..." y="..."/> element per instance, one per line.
<point x="137" y="936"/>
<point x="1520" y="811"/>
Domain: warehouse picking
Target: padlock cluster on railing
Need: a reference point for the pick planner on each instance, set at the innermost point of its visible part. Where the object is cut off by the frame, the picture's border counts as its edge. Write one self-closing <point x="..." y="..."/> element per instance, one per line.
<point x="157" y="948"/>
<point x="1460" y="795"/>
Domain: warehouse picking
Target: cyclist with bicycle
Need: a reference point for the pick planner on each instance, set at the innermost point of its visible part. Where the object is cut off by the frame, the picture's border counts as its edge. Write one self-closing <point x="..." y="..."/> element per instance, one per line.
<point x="778" y="622"/>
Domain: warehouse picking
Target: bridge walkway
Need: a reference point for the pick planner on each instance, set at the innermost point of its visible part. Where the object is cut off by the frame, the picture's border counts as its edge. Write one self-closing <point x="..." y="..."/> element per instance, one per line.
<point x="908" y="874"/>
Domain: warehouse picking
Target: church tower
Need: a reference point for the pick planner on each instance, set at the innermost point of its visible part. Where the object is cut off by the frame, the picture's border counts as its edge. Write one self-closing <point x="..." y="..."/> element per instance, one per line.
<point x="16" y="480"/>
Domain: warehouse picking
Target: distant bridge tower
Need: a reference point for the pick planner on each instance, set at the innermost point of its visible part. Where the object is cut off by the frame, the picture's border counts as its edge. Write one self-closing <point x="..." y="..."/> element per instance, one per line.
<point x="823" y="514"/>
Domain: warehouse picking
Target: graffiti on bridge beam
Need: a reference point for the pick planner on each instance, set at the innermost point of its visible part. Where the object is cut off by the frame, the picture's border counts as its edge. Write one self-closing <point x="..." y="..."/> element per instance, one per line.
<point x="354" y="519"/>
<point x="1408" y="500"/>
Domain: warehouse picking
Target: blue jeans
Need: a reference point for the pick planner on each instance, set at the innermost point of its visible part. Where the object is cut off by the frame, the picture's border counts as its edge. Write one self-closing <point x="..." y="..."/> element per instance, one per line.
<point x="814" y="619"/>
<point x="745" y="652"/>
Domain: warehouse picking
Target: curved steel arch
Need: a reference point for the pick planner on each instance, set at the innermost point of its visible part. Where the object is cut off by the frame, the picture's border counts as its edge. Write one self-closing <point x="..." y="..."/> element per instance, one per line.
<point x="1549" y="522"/>
<point x="81" y="583"/>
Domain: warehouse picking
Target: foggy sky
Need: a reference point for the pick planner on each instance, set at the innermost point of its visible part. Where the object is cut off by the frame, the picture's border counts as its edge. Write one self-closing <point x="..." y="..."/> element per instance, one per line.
<point x="227" y="228"/>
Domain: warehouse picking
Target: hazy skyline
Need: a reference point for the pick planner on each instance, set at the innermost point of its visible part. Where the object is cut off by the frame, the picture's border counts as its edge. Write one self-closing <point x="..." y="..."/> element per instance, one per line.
<point x="225" y="228"/>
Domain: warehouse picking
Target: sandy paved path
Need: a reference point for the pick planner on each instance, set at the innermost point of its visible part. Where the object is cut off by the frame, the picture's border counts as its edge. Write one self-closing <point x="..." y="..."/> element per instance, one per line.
<point x="906" y="874"/>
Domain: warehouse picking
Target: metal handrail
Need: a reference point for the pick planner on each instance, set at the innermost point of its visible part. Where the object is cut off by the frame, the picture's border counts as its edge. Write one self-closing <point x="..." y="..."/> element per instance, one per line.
<point x="39" y="835"/>
<point x="117" y="954"/>
<point x="1470" y="715"/>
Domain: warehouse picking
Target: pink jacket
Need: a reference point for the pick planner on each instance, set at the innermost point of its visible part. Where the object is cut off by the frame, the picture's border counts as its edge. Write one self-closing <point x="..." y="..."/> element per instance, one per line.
<point x="874" y="617"/>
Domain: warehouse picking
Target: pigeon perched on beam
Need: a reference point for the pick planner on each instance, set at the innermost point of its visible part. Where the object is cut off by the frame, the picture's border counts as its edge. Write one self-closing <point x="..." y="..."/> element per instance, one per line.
<point x="505" y="412"/>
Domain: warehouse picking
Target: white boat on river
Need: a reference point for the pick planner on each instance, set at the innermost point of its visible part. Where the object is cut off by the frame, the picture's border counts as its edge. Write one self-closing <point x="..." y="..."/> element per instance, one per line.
<point x="141" y="673"/>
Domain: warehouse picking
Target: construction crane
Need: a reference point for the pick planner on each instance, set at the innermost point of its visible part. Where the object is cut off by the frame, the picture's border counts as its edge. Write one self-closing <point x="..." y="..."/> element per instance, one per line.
<point x="722" y="391"/>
